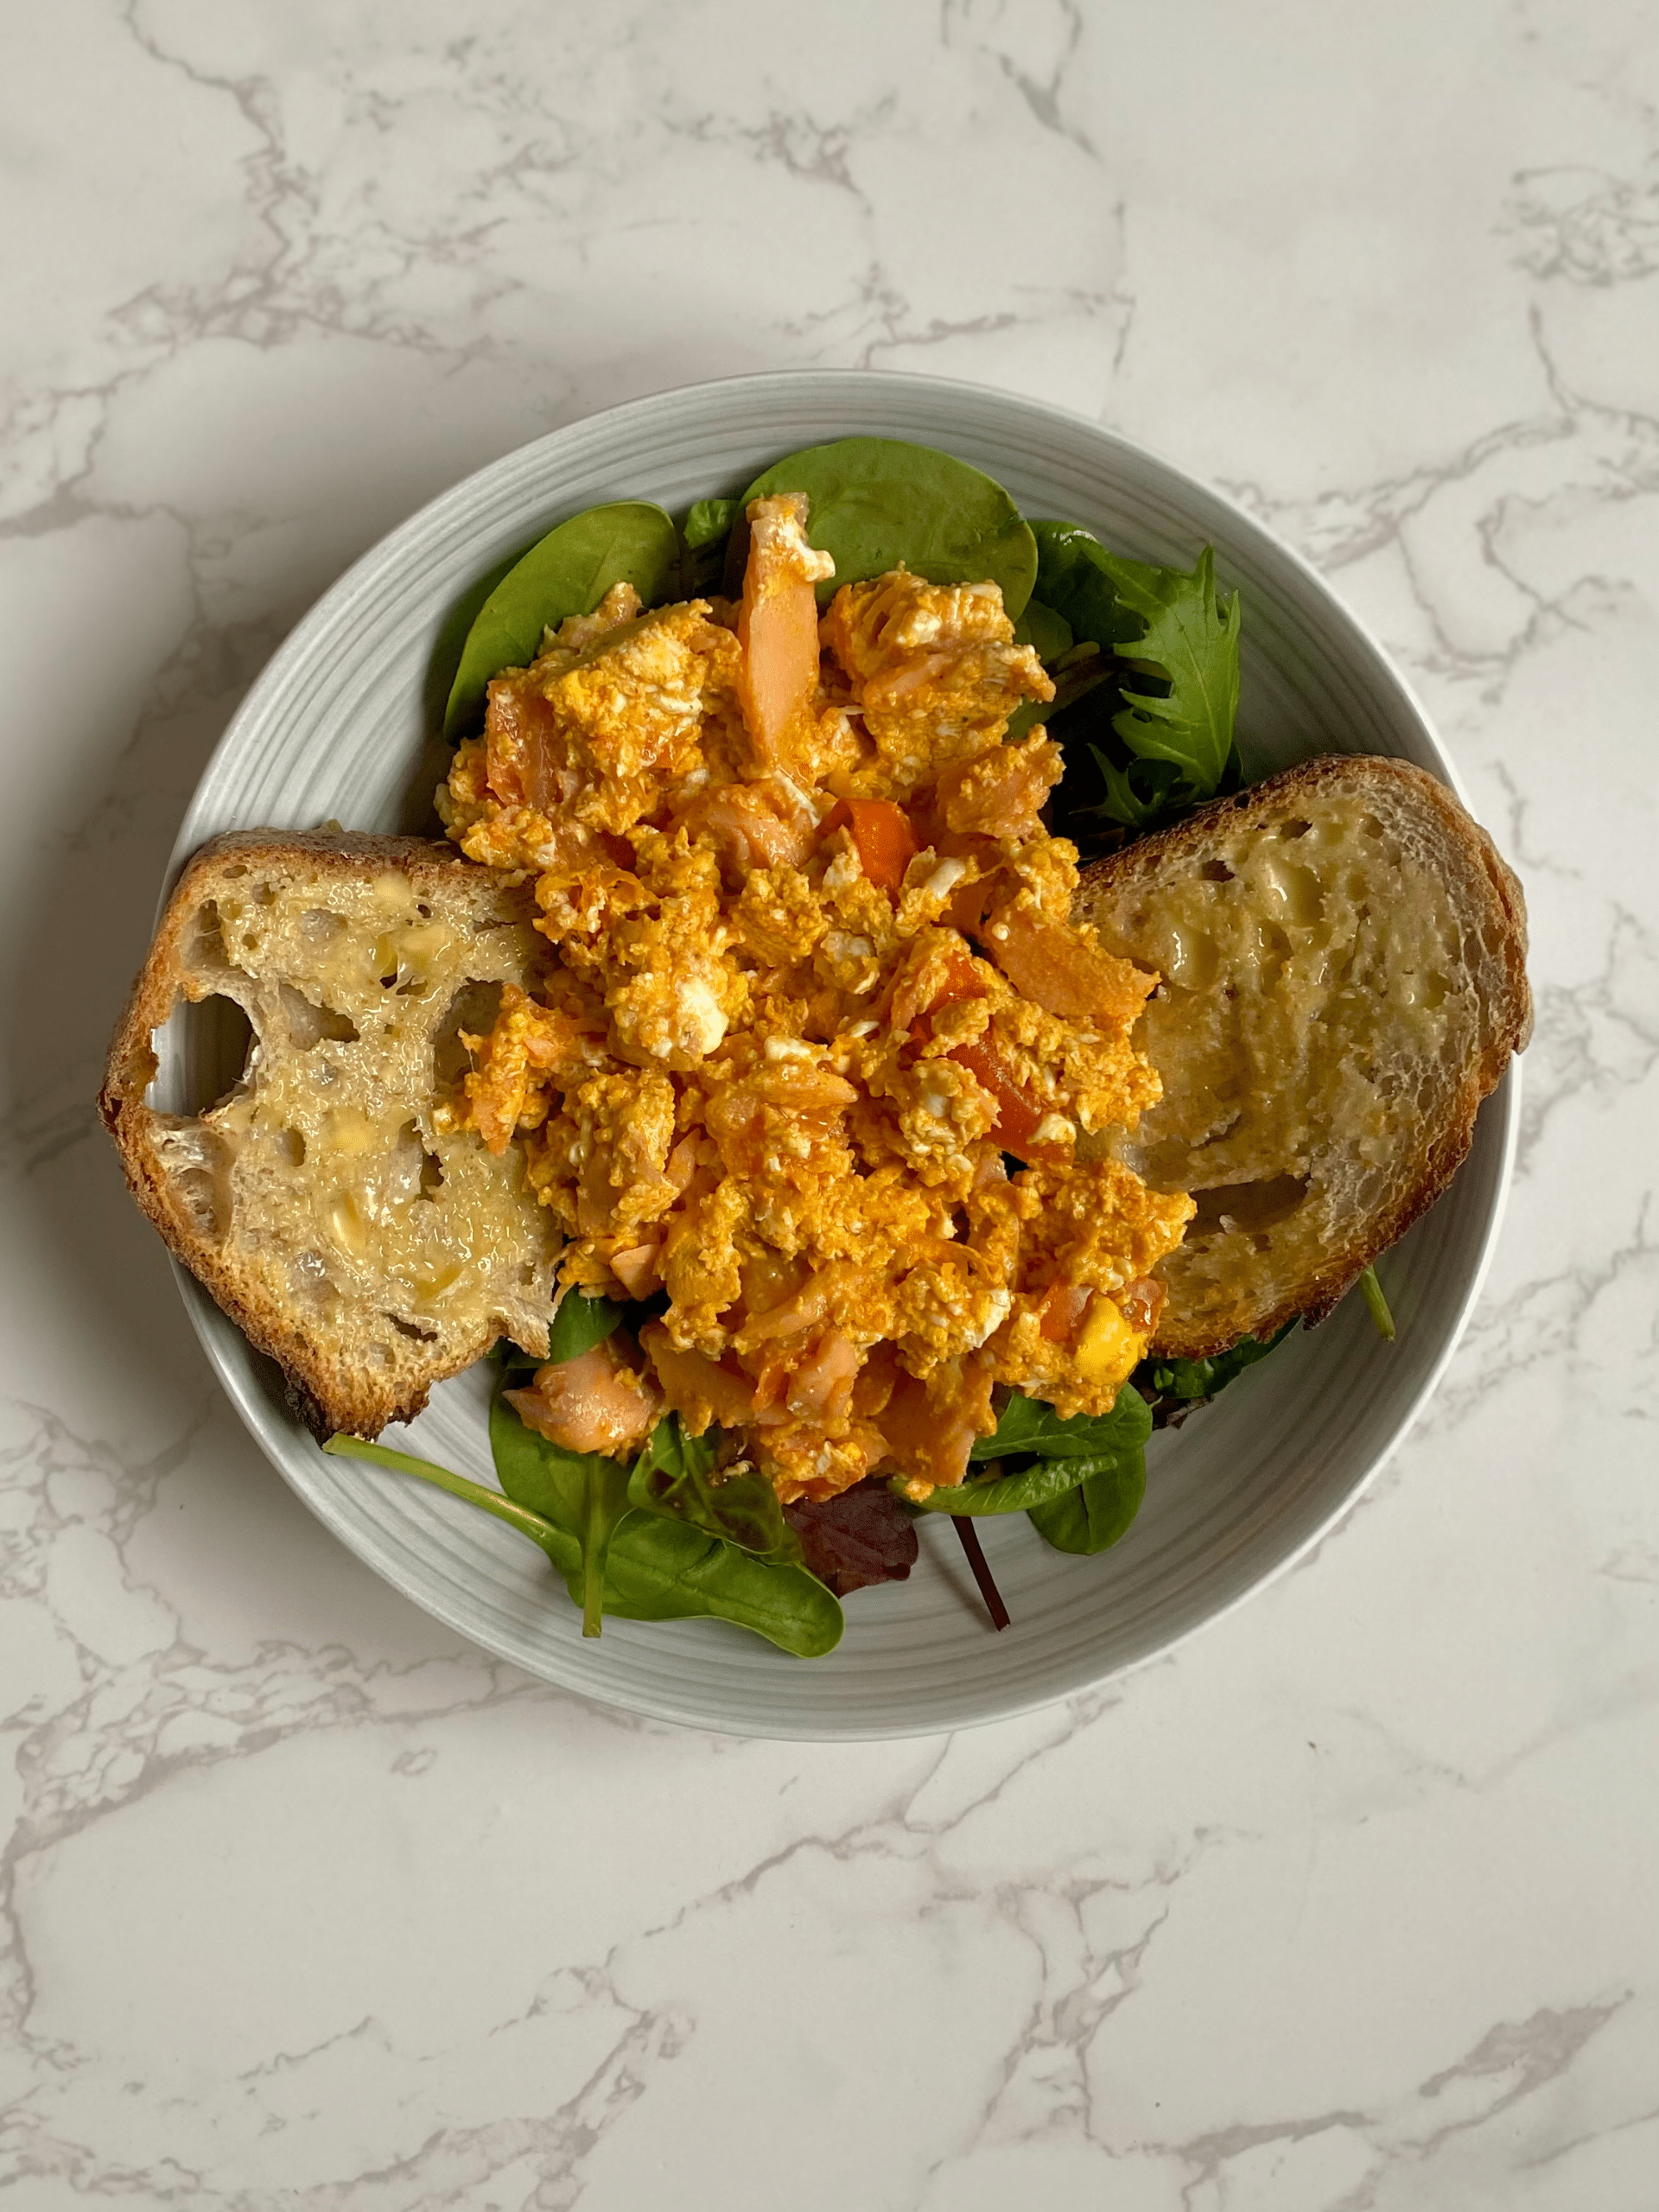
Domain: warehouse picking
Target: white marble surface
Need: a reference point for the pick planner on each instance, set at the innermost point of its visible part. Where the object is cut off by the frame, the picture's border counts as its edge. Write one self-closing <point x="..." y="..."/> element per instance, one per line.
<point x="1347" y="1905"/>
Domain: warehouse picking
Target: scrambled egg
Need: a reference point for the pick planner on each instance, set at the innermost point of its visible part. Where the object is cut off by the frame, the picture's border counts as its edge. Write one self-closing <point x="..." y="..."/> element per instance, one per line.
<point x="813" y="1074"/>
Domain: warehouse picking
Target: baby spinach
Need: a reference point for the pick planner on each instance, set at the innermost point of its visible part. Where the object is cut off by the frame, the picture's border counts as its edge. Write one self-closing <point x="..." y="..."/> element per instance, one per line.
<point x="1196" y="1381"/>
<point x="561" y="1548"/>
<point x="567" y="572"/>
<point x="1045" y="629"/>
<point x="1092" y="1517"/>
<point x="655" y="1568"/>
<point x="1034" y="1485"/>
<point x="709" y="521"/>
<point x="580" y="1323"/>
<point x="1027" y="1425"/>
<point x="674" y="1476"/>
<point x="882" y="503"/>
<point x="584" y="1493"/>
<point x="1081" y="1478"/>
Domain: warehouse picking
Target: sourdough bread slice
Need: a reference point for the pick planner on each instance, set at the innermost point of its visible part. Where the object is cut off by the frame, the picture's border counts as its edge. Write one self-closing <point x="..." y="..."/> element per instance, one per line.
<point x="1342" y="957"/>
<point x="324" y="1201"/>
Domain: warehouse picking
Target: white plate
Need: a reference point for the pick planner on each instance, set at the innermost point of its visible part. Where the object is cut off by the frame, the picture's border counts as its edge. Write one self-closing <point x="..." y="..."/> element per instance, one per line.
<point x="338" y="726"/>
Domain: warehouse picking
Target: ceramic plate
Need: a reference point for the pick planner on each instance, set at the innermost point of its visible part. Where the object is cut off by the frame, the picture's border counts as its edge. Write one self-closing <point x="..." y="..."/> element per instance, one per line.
<point x="341" y="726"/>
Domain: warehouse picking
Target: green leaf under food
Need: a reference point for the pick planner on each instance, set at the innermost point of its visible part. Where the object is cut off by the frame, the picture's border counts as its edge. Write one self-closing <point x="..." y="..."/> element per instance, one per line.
<point x="658" y="1569"/>
<point x="674" y="1476"/>
<point x="1193" y="1381"/>
<point x="1162" y="739"/>
<point x="1092" y="1517"/>
<point x="882" y="503"/>
<point x="1034" y="1485"/>
<point x="580" y="1323"/>
<point x="1070" y="1474"/>
<point x="1044" y="628"/>
<point x="1190" y="638"/>
<point x="584" y="1493"/>
<point x="1027" y="1425"/>
<point x="709" y="521"/>
<point x="567" y="572"/>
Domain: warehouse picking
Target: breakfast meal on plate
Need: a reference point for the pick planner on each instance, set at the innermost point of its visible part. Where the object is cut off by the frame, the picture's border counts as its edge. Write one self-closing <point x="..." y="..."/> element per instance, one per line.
<point x="753" y="1064"/>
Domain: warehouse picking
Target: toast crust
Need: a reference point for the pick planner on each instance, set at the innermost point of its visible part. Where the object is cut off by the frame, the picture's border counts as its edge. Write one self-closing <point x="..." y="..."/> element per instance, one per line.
<point x="365" y="1356"/>
<point x="1453" y="889"/>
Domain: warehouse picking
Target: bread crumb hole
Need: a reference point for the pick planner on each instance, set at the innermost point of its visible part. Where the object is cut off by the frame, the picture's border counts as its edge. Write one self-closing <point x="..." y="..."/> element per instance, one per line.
<point x="474" y="1009"/>
<point x="290" y="1148"/>
<point x="309" y="1023"/>
<point x="1216" y="871"/>
<point x="213" y="1042"/>
<point x="422" y="1331"/>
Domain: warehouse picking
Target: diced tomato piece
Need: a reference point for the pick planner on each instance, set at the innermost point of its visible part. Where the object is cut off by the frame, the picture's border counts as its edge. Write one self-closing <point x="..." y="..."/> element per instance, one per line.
<point x="1017" y="1120"/>
<point x="882" y="837"/>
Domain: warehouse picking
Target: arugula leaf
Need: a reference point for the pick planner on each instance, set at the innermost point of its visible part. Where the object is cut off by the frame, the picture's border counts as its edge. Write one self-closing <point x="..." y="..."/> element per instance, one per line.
<point x="882" y="503"/>
<point x="1092" y="1517"/>
<point x="1192" y="637"/>
<point x="566" y="572"/>
<point x="657" y="1568"/>
<point x="1174" y="644"/>
<point x="674" y="1476"/>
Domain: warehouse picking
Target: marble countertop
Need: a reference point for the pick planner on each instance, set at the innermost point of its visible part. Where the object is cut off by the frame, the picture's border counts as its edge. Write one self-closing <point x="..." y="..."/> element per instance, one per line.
<point x="1346" y="1905"/>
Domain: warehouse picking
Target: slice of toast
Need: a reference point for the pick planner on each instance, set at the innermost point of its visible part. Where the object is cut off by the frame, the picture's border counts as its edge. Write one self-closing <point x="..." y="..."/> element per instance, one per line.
<point x="323" y="1198"/>
<point x="1343" y="957"/>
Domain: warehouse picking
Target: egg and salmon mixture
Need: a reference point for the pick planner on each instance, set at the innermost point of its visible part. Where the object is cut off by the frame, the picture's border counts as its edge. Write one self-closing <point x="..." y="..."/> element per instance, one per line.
<point x="824" y="1075"/>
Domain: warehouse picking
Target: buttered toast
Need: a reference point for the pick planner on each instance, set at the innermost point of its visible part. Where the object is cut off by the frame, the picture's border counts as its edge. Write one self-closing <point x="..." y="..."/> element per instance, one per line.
<point x="325" y="1199"/>
<point x="1343" y="962"/>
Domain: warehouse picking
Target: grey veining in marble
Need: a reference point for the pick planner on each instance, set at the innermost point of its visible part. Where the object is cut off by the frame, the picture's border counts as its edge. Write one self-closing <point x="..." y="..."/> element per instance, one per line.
<point x="1346" y="1907"/>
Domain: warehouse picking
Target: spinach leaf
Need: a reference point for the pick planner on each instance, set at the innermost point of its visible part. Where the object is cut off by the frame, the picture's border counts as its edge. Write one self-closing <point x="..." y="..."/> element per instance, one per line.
<point x="566" y="572"/>
<point x="674" y="1476"/>
<point x="1073" y="579"/>
<point x="584" y="1493"/>
<point x="1039" y="1483"/>
<point x="659" y="1569"/>
<point x="581" y="1322"/>
<point x="709" y="521"/>
<point x="561" y="1548"/>
<point x="452" y="637"/>
<point x="1045" y="628"/>
<point x="1084" y="1473"/>
<point x="882" y="502"/>
<point x="1198" y="1380"/>
<point x="1092" y="1517"/>
<point x="1027" y="1425"/>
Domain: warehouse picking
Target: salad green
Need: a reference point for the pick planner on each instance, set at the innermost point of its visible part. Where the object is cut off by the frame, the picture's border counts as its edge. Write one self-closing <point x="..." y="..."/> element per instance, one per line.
<point x="1145" y="660"/>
